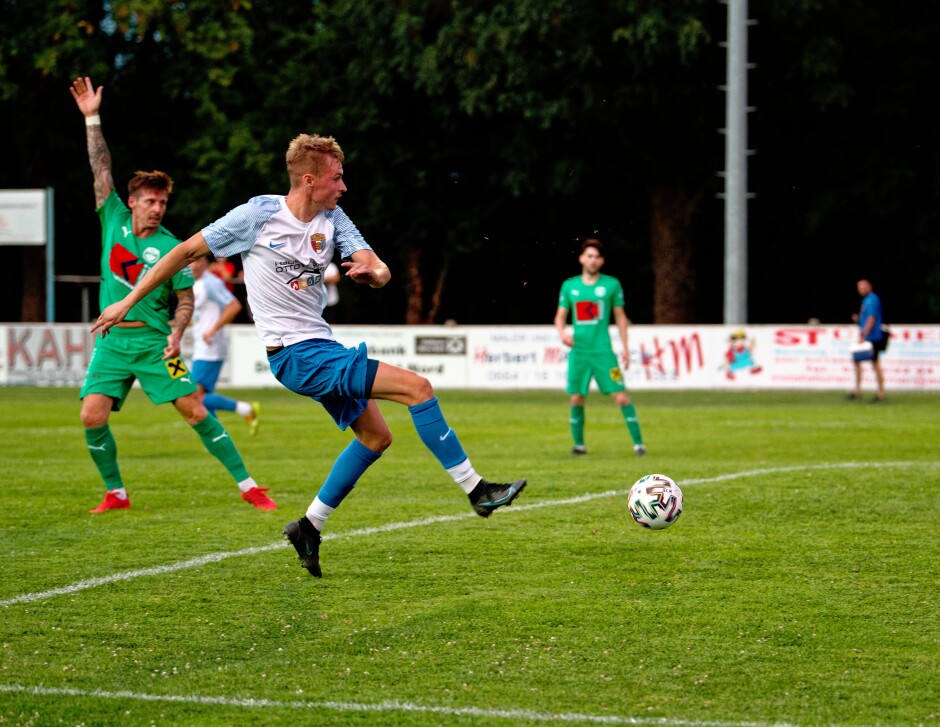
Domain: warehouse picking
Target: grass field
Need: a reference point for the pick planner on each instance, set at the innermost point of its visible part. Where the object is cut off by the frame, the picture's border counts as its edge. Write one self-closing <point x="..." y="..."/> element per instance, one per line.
<point x="799" y="587"/>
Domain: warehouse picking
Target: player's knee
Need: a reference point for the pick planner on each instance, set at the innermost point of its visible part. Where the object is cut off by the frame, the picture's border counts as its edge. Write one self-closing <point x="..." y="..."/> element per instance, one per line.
<point x="421" y="390"/>
<point x="376" y="441"/>
<point x="92" y="419"/>
<point x="191" y="409"/>
<point x="94" y="416"/>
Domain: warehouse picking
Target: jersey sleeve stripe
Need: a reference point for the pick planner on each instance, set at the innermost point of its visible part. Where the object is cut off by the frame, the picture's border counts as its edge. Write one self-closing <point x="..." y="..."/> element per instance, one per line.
<point x="346" y="235"/>
<point x="236" y="231"/>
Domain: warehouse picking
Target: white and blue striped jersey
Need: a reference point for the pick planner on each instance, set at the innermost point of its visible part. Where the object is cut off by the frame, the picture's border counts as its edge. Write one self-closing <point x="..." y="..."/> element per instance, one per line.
<point x="211" y="297"/>
<point x="284" y="261"/>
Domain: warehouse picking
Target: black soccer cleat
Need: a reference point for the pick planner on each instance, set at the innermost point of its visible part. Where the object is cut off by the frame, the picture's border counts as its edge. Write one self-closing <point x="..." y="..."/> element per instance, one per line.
<point x="306" y="541"/>
<point x="487" y="496"/>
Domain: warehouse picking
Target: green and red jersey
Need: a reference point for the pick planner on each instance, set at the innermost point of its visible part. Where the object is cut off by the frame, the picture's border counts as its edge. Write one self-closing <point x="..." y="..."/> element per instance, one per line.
<point x="591" y="307"/>
<point x="125" y="260"/>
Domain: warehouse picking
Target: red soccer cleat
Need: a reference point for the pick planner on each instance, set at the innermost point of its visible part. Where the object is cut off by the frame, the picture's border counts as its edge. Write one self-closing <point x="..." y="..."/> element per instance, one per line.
<point x="257" y="498"/>
<point x="112" y="502"/>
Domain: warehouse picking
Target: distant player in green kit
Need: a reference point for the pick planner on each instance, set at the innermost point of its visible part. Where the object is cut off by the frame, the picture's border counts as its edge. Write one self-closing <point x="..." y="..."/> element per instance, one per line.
<point x="591" y="297"/>
<point x="146" y="347"/>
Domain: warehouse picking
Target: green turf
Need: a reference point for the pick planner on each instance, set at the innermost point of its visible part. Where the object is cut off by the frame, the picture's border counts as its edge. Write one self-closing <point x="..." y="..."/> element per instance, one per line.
<point x="800" y="586"/>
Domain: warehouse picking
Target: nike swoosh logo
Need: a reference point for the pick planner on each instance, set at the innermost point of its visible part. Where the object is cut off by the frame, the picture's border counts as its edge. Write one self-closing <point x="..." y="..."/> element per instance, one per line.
<point x="445" y="436"/>
<point x="97" y="449"/>
<point x="274" y="247"/>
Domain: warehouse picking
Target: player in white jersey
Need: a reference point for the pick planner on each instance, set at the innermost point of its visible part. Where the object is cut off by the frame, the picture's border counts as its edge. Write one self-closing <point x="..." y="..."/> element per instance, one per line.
<point x="286" y="243"/>
<point x="215" y="307"/>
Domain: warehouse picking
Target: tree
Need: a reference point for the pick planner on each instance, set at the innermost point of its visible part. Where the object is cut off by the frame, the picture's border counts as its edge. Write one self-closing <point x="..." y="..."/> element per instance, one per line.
<point x="485" y="139"/>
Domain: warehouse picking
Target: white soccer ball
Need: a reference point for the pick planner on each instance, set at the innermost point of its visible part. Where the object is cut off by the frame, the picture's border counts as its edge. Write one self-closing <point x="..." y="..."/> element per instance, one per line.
<point x="655" y="501"/>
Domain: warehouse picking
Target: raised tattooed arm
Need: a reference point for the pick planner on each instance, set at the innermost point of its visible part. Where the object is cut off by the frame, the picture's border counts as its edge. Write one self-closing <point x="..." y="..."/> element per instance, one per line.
<point x="100" y="158"/>
<point x="88" y="101"/>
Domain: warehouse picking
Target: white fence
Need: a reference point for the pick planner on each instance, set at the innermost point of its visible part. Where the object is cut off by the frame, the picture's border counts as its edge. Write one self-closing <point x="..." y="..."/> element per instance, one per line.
<point x="532" y="357"/>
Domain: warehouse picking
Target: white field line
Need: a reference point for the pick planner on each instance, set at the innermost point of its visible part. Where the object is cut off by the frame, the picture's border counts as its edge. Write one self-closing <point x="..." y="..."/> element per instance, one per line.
<point x="390" y="527"/>
<point x="392" y="706"/>
<point x="396" y="706"/>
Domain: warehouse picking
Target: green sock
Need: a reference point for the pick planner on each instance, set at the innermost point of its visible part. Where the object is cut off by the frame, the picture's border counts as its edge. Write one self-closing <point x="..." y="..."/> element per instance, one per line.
<point x="221" y="446"/>
<point x="629" y="416"/>
<point x="103" y="450"/>
<point x="576" y="419"/>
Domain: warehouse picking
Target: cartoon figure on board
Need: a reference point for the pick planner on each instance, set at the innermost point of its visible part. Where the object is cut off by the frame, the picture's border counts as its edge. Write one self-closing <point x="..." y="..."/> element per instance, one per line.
<point x="739" y="356"/>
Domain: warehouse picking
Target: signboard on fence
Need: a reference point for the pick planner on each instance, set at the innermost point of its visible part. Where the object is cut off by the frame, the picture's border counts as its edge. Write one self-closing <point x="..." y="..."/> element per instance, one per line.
<point x="532" y="357"/>
<point x="23" y="217"/>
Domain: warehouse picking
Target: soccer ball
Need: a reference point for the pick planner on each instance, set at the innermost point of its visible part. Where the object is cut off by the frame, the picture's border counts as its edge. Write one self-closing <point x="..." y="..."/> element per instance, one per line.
<point x="655" y="501"/>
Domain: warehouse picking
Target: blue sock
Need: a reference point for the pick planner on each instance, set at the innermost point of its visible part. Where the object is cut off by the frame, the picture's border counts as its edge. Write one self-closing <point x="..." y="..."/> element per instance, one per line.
<point x="436" y="435"/>
<point x="214" y="401"/>
<point x="347" y="469"/>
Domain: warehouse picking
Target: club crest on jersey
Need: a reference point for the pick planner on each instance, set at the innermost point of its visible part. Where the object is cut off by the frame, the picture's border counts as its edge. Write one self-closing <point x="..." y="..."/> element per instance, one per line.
<point x="318" y="240"/>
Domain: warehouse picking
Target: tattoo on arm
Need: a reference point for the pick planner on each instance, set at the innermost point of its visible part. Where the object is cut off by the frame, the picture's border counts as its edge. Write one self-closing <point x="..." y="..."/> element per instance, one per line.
<point x="184" y="309"/>
<point x="99" y="156"/>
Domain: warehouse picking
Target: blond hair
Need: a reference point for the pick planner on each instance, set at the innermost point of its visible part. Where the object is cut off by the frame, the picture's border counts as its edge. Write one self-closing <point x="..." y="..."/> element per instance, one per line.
<point x="155" y="180"/>
<point x="309" y="154"/>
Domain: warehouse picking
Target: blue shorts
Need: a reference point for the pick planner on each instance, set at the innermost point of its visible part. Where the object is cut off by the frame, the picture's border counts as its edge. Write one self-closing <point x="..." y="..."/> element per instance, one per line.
<point x="206" y="373"/>
<point x="339" y="378"/>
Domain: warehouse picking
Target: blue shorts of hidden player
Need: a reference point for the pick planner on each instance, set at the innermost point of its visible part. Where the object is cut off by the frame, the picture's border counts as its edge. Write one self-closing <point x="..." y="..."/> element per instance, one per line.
<point x="339" y="378"/>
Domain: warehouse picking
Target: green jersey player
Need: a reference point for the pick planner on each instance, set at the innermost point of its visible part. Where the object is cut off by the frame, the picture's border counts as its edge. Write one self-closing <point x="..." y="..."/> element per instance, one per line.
<point x="592" y="297"/>
<point x="146" y="347"/>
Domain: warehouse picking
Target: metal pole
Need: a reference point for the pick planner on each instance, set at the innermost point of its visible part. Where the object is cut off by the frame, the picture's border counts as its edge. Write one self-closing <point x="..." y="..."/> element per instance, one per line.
<point x="50" y="256"/>
<point x="735" y="310"/>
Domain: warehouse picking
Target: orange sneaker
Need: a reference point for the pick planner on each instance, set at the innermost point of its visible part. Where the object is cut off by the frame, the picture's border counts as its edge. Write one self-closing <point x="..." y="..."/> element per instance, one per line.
<point x="257" y="498"/>
<point x="112" y="502"/>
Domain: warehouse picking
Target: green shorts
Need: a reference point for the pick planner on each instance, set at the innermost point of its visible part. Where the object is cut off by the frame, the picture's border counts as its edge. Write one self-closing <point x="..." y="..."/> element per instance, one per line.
<point x="602" y="366"/>
<point x="126" y="354"/>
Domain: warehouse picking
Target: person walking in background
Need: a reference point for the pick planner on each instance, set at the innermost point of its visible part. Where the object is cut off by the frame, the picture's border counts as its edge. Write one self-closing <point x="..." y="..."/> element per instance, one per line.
<point x="224" y="270"/>
<point x="215" y="307"/>
<point x="286" y="243"/>
<point x="870" y="320"/>
<point x="592" y="297"/>
<point x="146" y="345"/>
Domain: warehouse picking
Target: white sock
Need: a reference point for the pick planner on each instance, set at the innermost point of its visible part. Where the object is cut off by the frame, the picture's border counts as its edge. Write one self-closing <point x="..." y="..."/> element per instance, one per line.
<point x="120" y="493"/>
<point x="318" y="512"/>
<point x="243" y="408"/>
<point x="246" y="485"/>
<point x="465" y="476"/>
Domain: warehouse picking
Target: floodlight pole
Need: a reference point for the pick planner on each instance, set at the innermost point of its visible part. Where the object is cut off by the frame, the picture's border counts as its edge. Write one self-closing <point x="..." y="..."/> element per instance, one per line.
<point x="735" y="309"/>
<point x="50" y="256"/>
